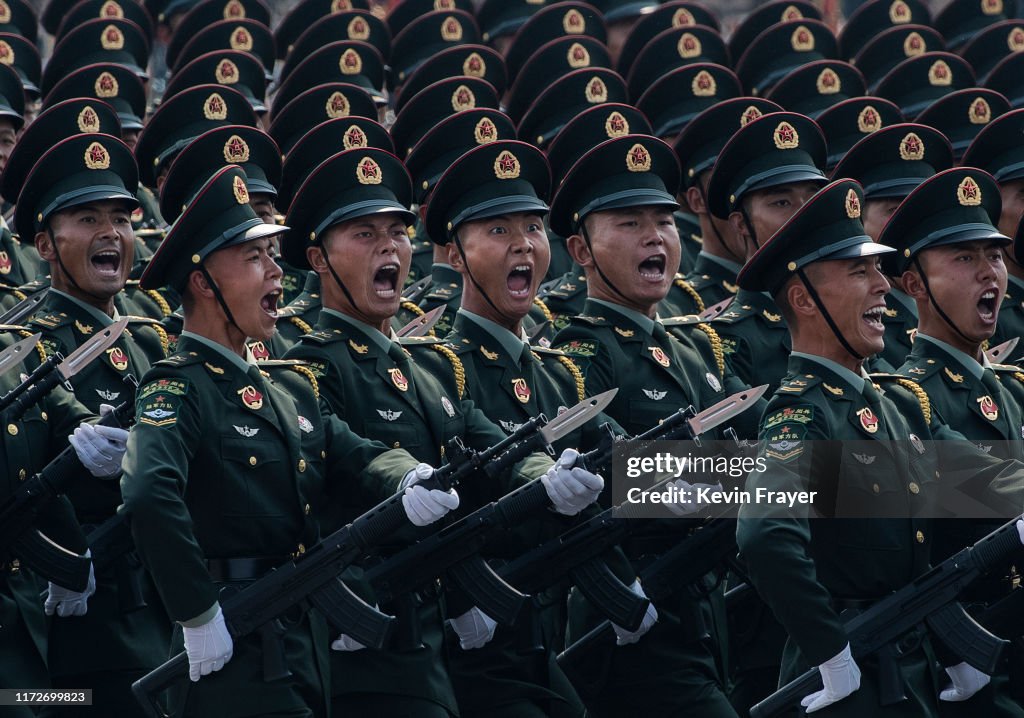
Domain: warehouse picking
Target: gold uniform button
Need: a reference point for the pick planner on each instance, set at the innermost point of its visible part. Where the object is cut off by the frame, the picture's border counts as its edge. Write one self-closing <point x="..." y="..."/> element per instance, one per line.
<point x="323" y="454"/>
<point x="307" y="509"/>
<point x="876" y="488"/>
<point x="919" y="536"/>
<point x="397" y="444"/>
<point x="914" y="488"/>
<point x="12" y="429"/>
<point x="252" y="461"/>
<point x="302" y="465"/>
<point x="43" y="415"/>
<point x="21" y="474"/>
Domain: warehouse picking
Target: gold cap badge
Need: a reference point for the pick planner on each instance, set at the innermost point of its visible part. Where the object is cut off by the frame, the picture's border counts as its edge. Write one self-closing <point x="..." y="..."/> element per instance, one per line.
<point x="5" y="12"/>
<point x="485" y="131"/>
<point x="354" y="138"/>
<point x="88" y="120"/>
<point x="869" y="120"/>
<point x="573" y="22"/>
<point x="596" y="91"/>
<point x="703" y="84"/>
<point x="802" y="39"/>
<point x="828" y="82"/>
<point x="991" y="7"/>
<point x="911" y="147"/>
<point x="226" y="73"/>
<point x="939" y="74"/>
<point x="337" y="105"/>
<point x="638" y="159"/>
<point x="749" y="115"/>
<point x="852" y="204"/>
<point x="786" y="137"/>
<point x="914" y="45"/>
<point x="968" y="193"/>
<point x="112" y="38"/>
<point x="340" y="6"/>
<point x="683" y="18"/>
<point x="451" y="30"/>
<point x="97" y="157"/>
<point x="463" y="99"/>
<point x="6" y="53"/>
<point x="369" y="172"/>
<point x="350" y="63"/>
<point x="241" y="40"/>
<point x="578" y="56"/>
<point x="214" y="108"/>
<point x="236" y="151"/>
<point x="899" y="13"/>
<point x="474" y="66"/>
<point x="506" y="166"/>
<point x="111" y="9"/>
<point x="791" y="13"/>
<point x="688" y="46"/>
<point x="233" y="10"/>
<point x="358" y="29"/>
<point x="1015" y="40"/>
<point x="616" y="125"/>
<point x="979" y="113"/>
<point x="240" y="191"/>
<point x="106" y="85"/>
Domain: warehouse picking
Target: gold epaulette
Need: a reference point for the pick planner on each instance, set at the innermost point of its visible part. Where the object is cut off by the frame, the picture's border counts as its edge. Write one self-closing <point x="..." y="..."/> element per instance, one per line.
<point x="716" y="346"/>
<point x="1019" y="376"/>
<point x="922" y="397"/>
<point x="412" y="307"/>
<point x="457" y="368"/>
<point x="304" y="326"/>
<point x="544" y="308"/>
<point x="161" y="303"/>
<point x="165" y="341"/>
<point x="577" y="376"/>
<point x="308" y="373"/>
<point x="686" y="287"/>
<point x="39" y="346"/>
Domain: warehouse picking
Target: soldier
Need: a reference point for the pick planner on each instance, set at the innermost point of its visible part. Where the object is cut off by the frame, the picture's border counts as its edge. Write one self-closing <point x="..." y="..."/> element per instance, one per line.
<point x="953" y="268"/>
<point x="823" y="270"/>
<point x="487" y="212"/>
<point x="200" y="412"/>
<point x="76" y="205"/>
<point x="621" y="231"/>
<point x="361" y="253"/>
<point x="17" y="267"/>
<point x="763" y="174"/>
<point x="888" y="164"/>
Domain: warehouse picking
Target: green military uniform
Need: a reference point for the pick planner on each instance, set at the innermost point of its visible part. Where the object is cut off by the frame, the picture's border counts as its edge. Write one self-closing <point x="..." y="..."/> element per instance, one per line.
<point x="88" y="168"/>
<point x="713" y="278"/>
<point x="27" y="445"/>
<point x="900" y="320"/>
<point x="200" y="413"/>
<point x="564" y="296"/>
<point x="678" y="665"/>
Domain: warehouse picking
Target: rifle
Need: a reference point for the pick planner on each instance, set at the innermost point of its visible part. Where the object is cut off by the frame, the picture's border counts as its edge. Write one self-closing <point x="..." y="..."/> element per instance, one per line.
<point x="25" y="308"/>
<point x="15" y="354"/>
<point x="313" y="575"/>
<point x="19" y="512"/>
<point x="58" y="370"/>
<point x="456" y="548"/>
<point x="929" y="599"/>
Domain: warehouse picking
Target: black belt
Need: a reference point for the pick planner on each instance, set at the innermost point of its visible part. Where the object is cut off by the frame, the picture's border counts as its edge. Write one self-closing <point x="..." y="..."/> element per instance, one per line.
<point x="226" y="570"/>
<point x="853" y="604"/>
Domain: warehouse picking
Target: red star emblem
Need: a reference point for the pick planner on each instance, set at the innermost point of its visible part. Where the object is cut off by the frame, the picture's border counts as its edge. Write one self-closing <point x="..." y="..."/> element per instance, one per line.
<point x="507" y="163"/>
<point x="474" y="64"/>
<point x="639" y="155"/>
<point x="97" y="154"/>
<point x="369" y="169"/>
<point x="236" y="148"/>
<point x="356" y="137"/>
<point x="689" y="44"/>
<point x="970" y="189"/>
<point x="786" y="133"/>
<point x="113" y="35"/>
<point x="226" y="69"/>
<point x="216" y="106"/>
<point x="617" y="123"/>
<point x="940" y="71"/>
<point x="106" y="83"/>
<point x="487" y="129"/>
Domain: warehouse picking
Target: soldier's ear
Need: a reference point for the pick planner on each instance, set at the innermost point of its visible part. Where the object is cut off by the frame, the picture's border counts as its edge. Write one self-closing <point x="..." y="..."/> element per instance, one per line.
<point x="315" y="257"/>
<point x="913" y="285"/>
<point x="44" y="245"/>
<point x="695" y="201"/>
<point x="198" y="285"/>
<point x="799" y="300"/>
<point x="455" y="258"/>
<point x="739" y="226"/>
<point x="579" y="250"/>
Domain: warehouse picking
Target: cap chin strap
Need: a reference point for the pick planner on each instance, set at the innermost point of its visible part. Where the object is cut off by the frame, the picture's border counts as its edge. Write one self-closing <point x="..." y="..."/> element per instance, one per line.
<point x="714" y="227"/>
<point x="750" y="228"/>
<point x="828" y="317"/>
<point x="337" y="280"/>
<point x="462" y="252"/>
<point x="931" y="298"/>
<point x="68" y="274"/>
<point x="593" y="256"/>
<point x="220" y="300"/>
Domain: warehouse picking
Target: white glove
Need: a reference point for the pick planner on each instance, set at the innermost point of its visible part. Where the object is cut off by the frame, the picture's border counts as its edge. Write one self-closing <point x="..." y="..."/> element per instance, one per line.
<point x="208" y="646"/>
<point x="345" y="642"/>
<point x="571" y="490"/>
<point x="474" y="628"/>
<point x="622" y="636"/>
<point x="966" y="682"/>
<point x="418" y="475"/>
<point x="1020" y="529"/>
<point x="692" y="505"/>
<point x="100" y="448"/>
<point x="425" y="506"/>
<point x="68" y="602"/>
<point x="841" y="677"/>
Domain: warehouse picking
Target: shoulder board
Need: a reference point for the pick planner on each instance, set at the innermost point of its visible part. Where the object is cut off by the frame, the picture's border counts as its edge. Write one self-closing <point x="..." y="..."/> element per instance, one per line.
<point x="272" y="363"/>
<point x="563" y="290"/>
<point x="444" y="293"/>
<point x="681" y="320"/>
<point x="1005" y="367"/>
<point x="291" y="310"/>
<point x="179" y="360"/>
<point x="419" y="341"/>
<point x="50" y="321"/>
<point x="796" y="385"/>
<point x="735" y="313"/>
<point x="133" y="319"/>
<point x="412" y="307"/>
<point x="547" y="351"/>
<point x="12" y="328"/>
<point x="593" y="321"/>
<point x="322" y="336"/>
<point x="916" y="369"/>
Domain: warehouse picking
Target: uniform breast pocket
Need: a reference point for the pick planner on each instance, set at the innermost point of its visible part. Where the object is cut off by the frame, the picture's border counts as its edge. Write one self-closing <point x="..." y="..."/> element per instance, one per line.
<point x="647" y="412"/>
<point x="870" y="490"/>
<point x="255" y="478"/>
<point x="397" y="434"/>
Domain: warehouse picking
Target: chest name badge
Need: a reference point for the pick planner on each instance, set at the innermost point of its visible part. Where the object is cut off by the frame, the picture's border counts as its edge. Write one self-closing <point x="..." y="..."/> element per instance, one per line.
<point x="446" y="404"/>
<point x="522" y="391"/>
<point x="988" y="407"/>
<point x="251" y="398"/>
<point x="868" y="420"/>
<point x="305" y="424"/>
<point x="398" y="379"/>
<point x="659" y="355"/>
<point x="118" y="359"/>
